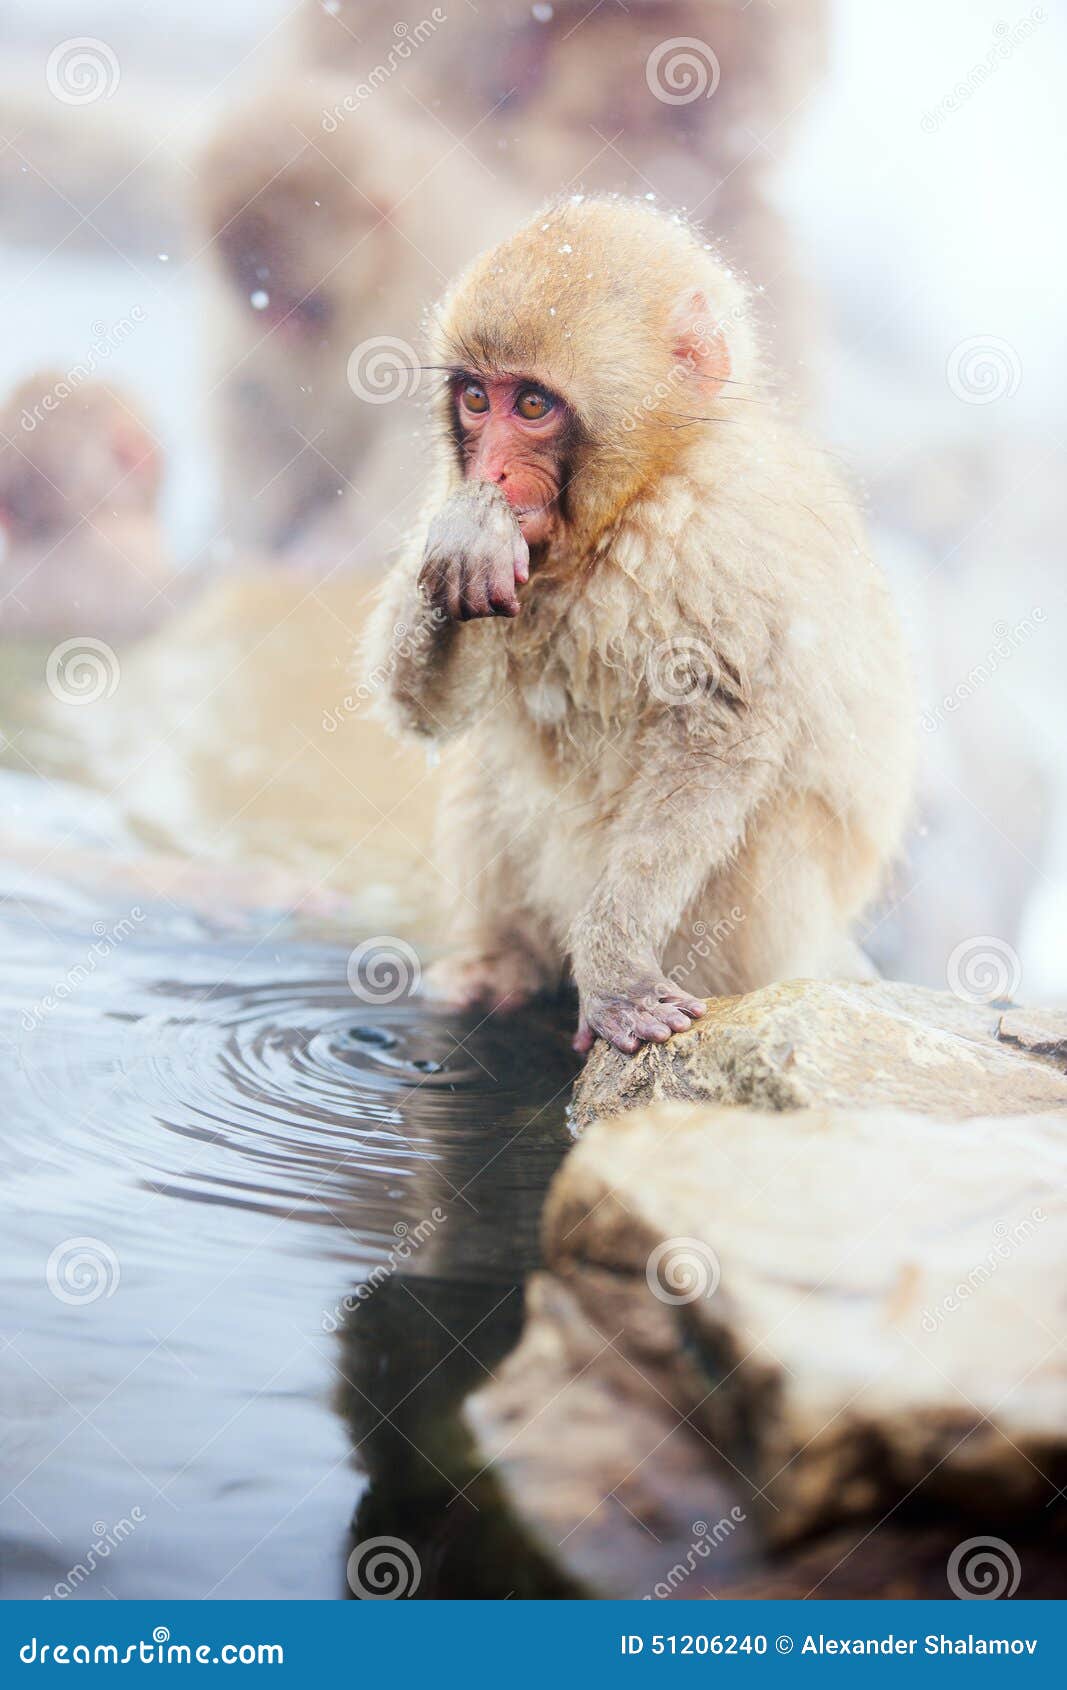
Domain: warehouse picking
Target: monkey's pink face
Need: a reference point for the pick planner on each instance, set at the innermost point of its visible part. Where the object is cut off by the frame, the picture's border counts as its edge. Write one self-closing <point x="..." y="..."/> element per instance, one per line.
<point x="514" y="434"/>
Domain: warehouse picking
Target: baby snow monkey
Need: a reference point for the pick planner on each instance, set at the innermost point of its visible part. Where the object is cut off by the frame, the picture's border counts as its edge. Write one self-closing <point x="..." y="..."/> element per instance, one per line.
<point x="643" y="603"/>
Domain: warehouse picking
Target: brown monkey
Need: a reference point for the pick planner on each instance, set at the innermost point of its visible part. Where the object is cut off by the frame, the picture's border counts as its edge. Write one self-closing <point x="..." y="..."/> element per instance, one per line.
<point x="644" y="603"/>
<point x="79" y="481"/>
<point x="329" y="232"/>
<point x="673" y="97"/>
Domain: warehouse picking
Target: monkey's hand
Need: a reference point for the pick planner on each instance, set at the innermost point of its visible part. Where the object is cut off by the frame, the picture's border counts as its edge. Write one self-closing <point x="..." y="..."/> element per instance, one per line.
<point x="649" y="1010"/>
<point x="475" y="556"/>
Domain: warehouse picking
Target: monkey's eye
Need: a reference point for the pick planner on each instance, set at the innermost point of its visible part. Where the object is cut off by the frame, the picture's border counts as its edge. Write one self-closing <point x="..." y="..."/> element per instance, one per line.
<point x="474" y="398"/>
<point x="533" y="404"/>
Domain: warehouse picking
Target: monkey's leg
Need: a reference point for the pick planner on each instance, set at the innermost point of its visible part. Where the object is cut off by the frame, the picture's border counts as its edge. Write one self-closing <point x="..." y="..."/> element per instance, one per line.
<point x="670" y="835"/>
<point x="501" y="955"/>
<point x="782" y="908"/>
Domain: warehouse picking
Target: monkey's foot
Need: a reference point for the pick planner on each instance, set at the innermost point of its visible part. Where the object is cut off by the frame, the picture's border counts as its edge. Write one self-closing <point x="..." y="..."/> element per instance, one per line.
<point x="647" y="1013"/>
<point x="484" y="980"/>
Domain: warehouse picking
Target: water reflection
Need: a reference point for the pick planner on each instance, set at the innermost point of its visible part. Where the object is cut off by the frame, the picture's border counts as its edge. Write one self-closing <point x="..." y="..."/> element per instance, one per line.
<point x="235" y="1200"/>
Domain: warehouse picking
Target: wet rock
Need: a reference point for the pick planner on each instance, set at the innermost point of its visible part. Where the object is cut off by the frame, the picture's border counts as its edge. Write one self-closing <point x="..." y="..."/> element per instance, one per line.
<point x="867" y="1044"/>
<point x="797" y="1320"/>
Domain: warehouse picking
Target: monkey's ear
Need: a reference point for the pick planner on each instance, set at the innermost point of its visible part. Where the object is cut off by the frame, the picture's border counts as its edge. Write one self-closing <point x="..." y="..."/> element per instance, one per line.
<point x="697" y="339"/>
<point x="136" y="453"/>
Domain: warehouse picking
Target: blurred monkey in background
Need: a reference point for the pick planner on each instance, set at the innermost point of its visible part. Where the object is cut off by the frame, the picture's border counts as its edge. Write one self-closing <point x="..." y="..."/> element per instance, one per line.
<point x="327" y="237"/>
<point x="80" y="474"/>
<point x="671" y="97"/>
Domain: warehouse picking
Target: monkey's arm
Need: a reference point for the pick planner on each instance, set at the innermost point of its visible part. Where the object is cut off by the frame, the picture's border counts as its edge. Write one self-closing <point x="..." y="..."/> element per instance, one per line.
<point x="680" y="819"/>
<point x="434" y="647"/>
<point x="431" y="677"/>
